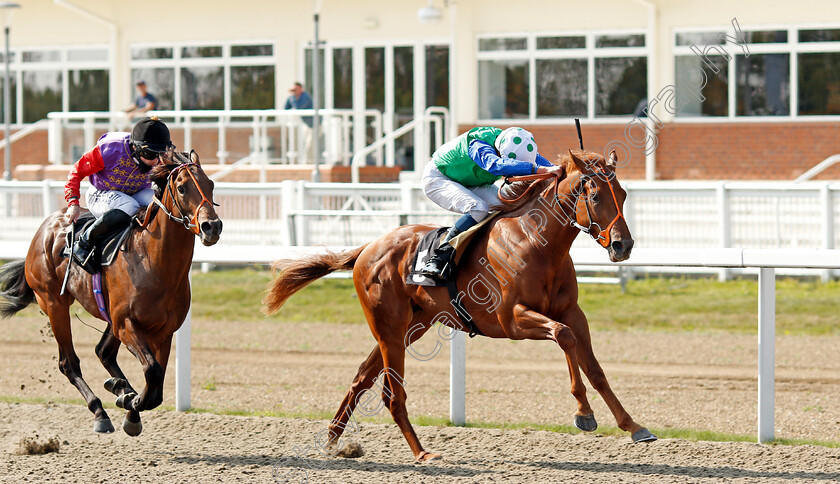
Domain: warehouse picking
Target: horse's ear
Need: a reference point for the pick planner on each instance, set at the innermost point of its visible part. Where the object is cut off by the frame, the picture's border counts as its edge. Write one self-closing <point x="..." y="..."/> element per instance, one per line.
<point x="613" y="159"/>
<point x="194" y="157"/>
<point x="580" y="164"/>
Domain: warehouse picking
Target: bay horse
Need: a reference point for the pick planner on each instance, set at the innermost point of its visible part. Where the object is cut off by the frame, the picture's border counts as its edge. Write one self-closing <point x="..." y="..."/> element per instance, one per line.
<point x="519" y="263"/>
<point x="146" y="289"/>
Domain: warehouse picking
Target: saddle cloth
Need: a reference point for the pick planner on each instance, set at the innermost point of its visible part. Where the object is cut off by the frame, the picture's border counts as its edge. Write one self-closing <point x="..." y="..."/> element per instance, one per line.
<point x="430" y="242"/>
<point x="113" y="241"/>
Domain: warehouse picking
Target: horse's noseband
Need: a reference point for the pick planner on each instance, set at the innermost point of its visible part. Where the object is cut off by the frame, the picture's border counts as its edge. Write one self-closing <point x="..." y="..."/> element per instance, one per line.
<point x="594" y="230"/>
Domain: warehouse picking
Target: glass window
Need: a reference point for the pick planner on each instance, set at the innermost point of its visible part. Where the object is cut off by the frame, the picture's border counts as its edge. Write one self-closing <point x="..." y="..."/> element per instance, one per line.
<point x="762" y="85"/>
<point x="576" y="42"/>
<point x="308" y="83"/>
<point x="375" y="78"/>
<point x="561" y="87"/>
<point x="151" y="53"/>
<point x="12" y="90"/>
<point x="42" y="56"/>
<point x="437" y="75"/>
<point x="160" y="83"/>
<point x="12" y="56"/>
<point x="252" y="87"/>
<point x="87" y="55"/>
<point x="823" y="35"/>
<point x="688" y="79"/>
<point x="516" y="43"/>
<point x="635" y="40"/>
<point x="88" y="90"/>
<point x="503" y="89"/>
<point x="204" y="51"/>
<point x="700" y="38"/>
<point x="766" y="36"/>
<point x="41" y="94"/>
<point x="251" y="50"/>
<point x="202" y="88"/>
<point x="621" y="85"/>
<point x="343" y="78"/>
<point x="819" y="83"/>
<point x="404" y="103"/>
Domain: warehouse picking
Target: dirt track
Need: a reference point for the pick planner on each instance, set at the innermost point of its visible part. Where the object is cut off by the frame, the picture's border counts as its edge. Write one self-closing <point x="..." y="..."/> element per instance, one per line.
<point x="698" y="381"/>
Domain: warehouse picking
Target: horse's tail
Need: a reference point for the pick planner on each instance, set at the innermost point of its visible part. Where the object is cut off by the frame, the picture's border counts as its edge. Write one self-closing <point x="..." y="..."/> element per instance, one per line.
<point x="15" y="293"/>
<point x="295" y="274"/>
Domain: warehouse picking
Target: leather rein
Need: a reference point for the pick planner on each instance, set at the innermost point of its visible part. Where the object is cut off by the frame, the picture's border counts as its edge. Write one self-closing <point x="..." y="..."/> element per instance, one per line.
<point x="602" y="237"/>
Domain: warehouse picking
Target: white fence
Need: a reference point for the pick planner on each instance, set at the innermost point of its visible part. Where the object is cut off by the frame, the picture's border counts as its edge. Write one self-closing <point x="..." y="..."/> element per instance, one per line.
<point x="699" y="215"/>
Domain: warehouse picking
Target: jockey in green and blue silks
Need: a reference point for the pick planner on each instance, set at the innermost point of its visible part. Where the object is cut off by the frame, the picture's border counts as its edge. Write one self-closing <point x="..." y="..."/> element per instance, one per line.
<point x="462" y="173"/>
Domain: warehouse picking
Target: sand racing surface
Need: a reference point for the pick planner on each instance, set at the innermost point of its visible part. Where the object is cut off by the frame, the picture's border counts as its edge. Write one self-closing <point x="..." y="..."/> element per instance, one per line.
<point x="699" y="381"/>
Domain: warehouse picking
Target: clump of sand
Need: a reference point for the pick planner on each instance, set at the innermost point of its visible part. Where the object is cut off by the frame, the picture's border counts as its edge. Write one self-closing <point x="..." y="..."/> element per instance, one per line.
<point x="352" y="450"/>
<point x="36" y="446"/>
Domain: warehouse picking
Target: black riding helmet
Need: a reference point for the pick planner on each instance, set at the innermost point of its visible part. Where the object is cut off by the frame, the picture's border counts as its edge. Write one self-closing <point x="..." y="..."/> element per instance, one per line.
<point x="149" y="138"/>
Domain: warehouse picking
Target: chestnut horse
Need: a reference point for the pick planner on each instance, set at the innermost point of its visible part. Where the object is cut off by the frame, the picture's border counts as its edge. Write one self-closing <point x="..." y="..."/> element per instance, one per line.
<point x="146" y="289"/>
<point x="521" y="262"/>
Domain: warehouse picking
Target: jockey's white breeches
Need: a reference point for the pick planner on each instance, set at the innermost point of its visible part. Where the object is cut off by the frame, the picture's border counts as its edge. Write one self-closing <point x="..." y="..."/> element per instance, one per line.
<point x="452" y="196"/>
<point x="101" y="201"/>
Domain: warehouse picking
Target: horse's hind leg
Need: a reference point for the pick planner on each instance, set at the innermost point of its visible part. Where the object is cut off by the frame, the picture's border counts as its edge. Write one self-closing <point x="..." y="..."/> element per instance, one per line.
<point x="577" y="321"/>
<point x="368" y="371"/>
<point x="536" y="326"/>
<point x="68" y="363"/>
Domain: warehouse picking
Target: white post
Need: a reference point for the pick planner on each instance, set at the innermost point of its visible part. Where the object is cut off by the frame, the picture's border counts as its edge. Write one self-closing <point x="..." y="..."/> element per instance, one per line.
<point x="46" y="198"/>
<point x="766" y="352"/>
<point x="827" y="203"/>
<point x="458" y="378"/>
<point x="182" y="363"/>
<point x="725" y="224"/>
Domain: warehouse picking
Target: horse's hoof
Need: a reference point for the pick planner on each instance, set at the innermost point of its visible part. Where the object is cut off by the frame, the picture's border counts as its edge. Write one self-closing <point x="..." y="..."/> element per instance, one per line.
<point x="133" y="429"/>
<point x="113" y="384"/>
<point x="586" y="423"/>
<point x="643" y="435"/>
<point x="103" y="426"/>
<point x="428" y="457"/>
<point x="124" y="399"/>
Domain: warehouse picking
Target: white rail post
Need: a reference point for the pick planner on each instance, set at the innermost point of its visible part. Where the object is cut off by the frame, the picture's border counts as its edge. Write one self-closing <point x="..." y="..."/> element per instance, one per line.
<point x="725" y="223"/>
<point x="47" y="204"/>
<point x="182" y="362"/>
<point x="827" y="203"/>
<point x="458" y="378"/>
<point x="766" y="351"/>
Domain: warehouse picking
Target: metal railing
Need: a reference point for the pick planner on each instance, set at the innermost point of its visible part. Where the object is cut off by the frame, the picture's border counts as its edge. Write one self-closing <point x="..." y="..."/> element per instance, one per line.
<point x="274" y="136"/>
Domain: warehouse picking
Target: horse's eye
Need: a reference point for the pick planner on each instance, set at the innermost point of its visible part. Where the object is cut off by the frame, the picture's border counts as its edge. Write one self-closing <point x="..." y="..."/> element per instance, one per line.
<point x="181" y="189"/>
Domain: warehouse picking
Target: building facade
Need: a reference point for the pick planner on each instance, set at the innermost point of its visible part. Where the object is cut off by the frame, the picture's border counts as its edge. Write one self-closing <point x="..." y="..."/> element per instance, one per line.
<point x="681" y="89"/>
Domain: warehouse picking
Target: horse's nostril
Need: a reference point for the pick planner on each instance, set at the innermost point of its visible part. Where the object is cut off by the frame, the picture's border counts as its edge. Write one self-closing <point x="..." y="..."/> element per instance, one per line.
<point x="206" y="227"/>
<point x="618" y="246"/>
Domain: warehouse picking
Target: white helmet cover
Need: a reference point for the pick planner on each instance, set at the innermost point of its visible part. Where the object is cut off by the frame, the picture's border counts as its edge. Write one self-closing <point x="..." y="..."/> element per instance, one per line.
<point x="517" y="144"/>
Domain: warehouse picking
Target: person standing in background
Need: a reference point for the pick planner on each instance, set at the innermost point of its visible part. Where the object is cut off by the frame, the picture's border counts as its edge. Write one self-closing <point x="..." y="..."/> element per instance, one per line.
<point x="144" y="102"/>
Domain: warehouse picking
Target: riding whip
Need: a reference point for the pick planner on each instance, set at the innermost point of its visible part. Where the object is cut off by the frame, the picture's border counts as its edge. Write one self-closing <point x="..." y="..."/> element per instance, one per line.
<point x="580" y="136"/>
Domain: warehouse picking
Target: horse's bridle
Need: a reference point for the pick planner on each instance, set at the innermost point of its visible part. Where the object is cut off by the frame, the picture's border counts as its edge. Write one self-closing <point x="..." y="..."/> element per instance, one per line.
<point x="189" y="224"/>
<point x="602" y="237"/>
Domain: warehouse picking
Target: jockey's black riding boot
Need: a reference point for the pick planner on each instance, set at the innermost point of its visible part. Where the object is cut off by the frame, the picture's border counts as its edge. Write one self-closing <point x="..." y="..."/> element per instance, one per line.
<point x="439" y="265"/>
<point x="83" y="249"/>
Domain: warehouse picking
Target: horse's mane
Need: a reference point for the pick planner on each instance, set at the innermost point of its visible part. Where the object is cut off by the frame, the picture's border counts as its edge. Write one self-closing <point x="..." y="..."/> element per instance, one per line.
<point x="160" y="174"/>
<point x="515" y="189"/>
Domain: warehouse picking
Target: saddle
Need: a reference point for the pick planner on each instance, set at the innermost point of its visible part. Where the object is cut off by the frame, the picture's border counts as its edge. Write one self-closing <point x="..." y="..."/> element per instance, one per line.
<point x="105" y="252"/>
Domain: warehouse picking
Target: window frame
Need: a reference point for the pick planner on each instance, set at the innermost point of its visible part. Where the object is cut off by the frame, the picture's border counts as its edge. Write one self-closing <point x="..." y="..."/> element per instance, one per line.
<point x="588" y="53"/>
<point x="225" y="61"/>
<point x="792" y="47"/>
<point x="17" y="67"/>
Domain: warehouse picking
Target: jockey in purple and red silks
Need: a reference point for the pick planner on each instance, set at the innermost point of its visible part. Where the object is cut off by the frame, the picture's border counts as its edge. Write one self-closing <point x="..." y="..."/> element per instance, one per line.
<point x="118" y="167"/>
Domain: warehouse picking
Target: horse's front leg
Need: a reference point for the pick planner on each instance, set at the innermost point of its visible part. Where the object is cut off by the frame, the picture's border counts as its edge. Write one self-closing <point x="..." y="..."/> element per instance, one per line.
<point x="576" y="320"/>
<point x="530" y="324"/>
<point x="152" y="395"/>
